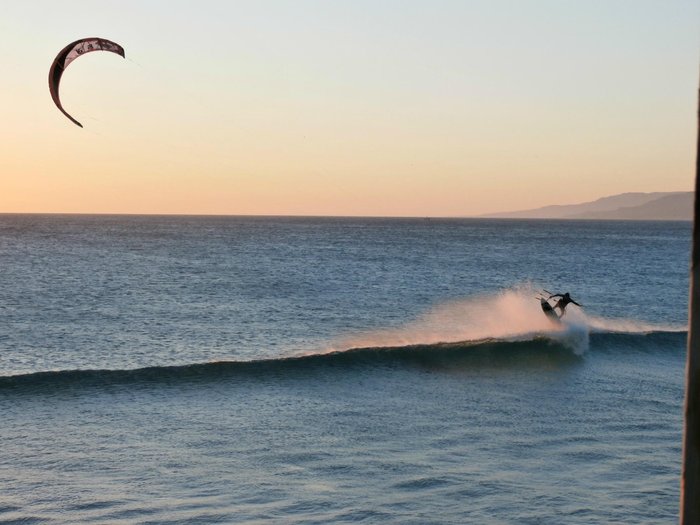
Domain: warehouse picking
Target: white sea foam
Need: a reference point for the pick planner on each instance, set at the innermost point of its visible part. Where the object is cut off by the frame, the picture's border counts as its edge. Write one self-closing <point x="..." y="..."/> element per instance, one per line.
<point x="511" y="315"/>
<point x="629" y="326"/>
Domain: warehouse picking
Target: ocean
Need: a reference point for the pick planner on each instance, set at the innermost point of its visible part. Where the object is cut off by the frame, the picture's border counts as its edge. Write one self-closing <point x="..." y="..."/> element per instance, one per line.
<point x="165" y="369"/>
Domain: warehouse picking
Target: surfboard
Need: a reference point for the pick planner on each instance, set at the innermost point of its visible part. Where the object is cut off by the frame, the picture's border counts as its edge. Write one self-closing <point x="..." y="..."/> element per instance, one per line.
<point x="549" y="311"/>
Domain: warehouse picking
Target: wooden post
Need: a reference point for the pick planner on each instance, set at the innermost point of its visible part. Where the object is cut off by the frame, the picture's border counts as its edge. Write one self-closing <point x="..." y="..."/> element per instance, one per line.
<point x="690" y="477"/>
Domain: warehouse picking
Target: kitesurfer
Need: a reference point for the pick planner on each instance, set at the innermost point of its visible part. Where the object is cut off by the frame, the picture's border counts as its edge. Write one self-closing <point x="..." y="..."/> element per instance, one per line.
<point x="564" y="300"/>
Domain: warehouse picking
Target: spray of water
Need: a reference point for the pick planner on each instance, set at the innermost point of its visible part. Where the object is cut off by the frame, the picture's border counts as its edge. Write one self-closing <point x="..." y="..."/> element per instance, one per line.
<point x="511" y="315"/>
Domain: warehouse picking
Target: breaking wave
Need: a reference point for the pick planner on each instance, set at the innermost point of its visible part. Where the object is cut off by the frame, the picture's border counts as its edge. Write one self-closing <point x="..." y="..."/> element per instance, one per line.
<point x="504" y="331"/>
<point x="512" y="315"/>
<point x="535" y="353"/>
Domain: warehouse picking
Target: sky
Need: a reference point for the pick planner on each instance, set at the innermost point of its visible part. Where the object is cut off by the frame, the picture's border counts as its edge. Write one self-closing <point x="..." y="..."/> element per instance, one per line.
<point x="376" y="108"/>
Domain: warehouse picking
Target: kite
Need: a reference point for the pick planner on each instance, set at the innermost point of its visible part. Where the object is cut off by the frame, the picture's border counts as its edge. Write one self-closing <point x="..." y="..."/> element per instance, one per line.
<point x="70" y="53"/>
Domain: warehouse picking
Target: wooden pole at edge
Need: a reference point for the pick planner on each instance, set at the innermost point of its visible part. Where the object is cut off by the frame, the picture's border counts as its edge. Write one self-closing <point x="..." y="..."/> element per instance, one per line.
<point x="690" y="476"/>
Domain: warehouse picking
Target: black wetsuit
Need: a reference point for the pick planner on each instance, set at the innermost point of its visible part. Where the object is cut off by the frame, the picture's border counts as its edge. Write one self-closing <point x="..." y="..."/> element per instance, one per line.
<point x="563" y="302"/>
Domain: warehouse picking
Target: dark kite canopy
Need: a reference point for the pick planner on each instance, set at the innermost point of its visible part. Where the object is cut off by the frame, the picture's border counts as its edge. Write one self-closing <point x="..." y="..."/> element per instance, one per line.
<point x="70" y="53"/>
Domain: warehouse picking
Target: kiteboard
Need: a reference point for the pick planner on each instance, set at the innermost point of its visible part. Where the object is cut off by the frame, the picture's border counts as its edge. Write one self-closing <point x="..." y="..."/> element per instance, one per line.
<point x="549" y="310"/>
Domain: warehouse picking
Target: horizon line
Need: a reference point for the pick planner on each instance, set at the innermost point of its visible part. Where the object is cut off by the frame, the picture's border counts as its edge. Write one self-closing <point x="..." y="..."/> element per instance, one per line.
<point x="290" y="216"/>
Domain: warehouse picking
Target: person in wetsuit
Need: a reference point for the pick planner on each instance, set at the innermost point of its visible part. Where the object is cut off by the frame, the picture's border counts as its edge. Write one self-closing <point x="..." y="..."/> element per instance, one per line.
<point x="564" y="300"/>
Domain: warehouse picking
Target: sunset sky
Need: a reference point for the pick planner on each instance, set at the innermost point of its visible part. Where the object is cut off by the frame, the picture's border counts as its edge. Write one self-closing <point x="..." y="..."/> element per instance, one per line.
<point x="383" y="108"/>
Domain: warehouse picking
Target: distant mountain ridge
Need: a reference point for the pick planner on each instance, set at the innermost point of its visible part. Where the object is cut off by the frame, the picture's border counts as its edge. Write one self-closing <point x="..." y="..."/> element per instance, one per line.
<point x="659" y="206"/>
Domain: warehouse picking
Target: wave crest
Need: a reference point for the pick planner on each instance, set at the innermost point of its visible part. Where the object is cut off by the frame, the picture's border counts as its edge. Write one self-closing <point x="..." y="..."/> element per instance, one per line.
<point x="512" y="315"/>
<point x="539" y="353"/>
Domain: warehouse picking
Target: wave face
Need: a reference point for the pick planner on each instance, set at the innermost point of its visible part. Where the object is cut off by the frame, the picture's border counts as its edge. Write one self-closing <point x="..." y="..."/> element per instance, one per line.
<point x="558" y="349"/>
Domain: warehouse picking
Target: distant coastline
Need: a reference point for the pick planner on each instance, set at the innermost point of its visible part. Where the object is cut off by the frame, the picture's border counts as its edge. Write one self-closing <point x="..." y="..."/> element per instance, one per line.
<point x="657" y="206"/>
